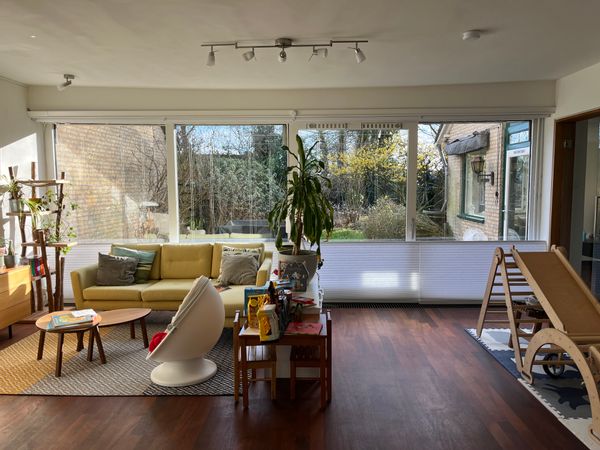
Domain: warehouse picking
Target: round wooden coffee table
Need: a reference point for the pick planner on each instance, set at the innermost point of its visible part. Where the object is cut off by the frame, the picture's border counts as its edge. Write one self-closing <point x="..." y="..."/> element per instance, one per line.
<point x="127" y="315"/>
<point x="43" y="324"/>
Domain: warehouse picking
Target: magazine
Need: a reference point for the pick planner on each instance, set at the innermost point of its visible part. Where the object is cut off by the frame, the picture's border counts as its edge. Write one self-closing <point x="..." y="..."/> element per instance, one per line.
<point x="69" y="320"/>
<point x="312" y="328"/>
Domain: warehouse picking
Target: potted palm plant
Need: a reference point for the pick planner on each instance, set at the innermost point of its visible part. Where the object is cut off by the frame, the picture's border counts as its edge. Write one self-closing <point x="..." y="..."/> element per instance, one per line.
<point x="305" y="205"/>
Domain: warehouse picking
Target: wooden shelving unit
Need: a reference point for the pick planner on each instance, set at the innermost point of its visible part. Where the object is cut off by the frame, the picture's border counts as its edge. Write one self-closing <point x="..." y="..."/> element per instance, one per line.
<point x="39" y="244"/>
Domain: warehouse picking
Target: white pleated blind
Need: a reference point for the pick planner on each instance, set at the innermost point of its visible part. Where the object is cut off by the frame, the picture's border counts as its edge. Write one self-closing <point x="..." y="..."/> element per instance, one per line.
<point x="410" y="271"/>
<point x="383" y="271"/>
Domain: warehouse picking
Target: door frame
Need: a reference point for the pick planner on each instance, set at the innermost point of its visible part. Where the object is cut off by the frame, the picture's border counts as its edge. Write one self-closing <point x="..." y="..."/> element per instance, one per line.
<point x="562" y="177"/>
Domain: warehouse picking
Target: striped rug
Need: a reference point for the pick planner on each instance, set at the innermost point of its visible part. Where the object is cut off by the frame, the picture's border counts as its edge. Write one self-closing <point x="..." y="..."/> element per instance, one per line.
<point x="126" y="372"/>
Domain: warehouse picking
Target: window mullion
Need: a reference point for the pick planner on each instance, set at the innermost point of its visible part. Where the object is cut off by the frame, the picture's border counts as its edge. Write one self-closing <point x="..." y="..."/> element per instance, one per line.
<point x="411" y="184"/>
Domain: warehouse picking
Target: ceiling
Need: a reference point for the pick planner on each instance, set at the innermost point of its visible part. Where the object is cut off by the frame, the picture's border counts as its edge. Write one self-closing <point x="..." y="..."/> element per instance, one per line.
<point x="156" y="43"/>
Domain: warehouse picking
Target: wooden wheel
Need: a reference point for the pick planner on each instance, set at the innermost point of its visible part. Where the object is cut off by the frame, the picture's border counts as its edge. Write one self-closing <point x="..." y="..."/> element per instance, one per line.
<point x="553" y="370"/>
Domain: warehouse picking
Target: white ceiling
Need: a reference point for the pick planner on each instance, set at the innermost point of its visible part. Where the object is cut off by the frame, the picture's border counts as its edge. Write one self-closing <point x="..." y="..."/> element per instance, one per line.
<point x="156" y="43"/>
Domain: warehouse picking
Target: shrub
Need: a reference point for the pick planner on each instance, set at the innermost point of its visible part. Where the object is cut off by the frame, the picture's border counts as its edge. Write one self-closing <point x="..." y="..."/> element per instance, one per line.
<point x="386" y="220"/>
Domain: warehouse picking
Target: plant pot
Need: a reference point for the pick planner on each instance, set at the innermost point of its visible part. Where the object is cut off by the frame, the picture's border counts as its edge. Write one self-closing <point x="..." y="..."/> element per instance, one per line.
<point x="9" y="261"/>
<point x="15" y="205"/>
<point x="308" y="257"/>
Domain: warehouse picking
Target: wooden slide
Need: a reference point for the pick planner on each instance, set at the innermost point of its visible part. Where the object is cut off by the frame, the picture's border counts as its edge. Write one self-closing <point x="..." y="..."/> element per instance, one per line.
<point x="574" y="313"/>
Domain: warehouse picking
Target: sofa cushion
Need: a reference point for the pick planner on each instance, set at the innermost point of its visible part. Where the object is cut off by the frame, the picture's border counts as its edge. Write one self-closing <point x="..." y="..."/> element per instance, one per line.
<point x="218" y="250"/>
<point x="233" y="299"/>
<point x="238" y="269"/>
<point x="110" y="293"/>
<point x="144" y="261"/>
<point x="186" y="261"/>
<point x="115" y="270"/>
<point x="155" y="271"/>
<point x="168" y="290"/>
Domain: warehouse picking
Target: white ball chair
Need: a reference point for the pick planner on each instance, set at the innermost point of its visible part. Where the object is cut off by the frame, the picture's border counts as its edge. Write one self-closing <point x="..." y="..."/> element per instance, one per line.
<point x="193" y="332"/>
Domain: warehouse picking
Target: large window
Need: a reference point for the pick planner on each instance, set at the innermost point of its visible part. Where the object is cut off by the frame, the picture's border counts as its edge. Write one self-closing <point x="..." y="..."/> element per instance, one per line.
<point x="473" y="180"/>
<point x="367" y="169"/>
<point x="229" y="178"/>
<point x="118" y="178"/>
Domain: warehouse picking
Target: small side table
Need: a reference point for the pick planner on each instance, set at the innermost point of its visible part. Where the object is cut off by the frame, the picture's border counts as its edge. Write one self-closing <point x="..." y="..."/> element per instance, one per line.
<point x="43" y="324"/>
<point x="127" y="315"/>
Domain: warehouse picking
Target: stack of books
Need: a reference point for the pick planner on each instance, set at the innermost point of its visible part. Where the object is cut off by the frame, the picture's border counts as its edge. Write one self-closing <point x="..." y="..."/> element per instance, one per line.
<point x="72" y="319"/>
<point x="37" y="267"/>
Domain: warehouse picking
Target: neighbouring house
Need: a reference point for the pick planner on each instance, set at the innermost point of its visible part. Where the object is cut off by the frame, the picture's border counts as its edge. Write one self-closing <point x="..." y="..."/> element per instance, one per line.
<point x="488" y="179"/>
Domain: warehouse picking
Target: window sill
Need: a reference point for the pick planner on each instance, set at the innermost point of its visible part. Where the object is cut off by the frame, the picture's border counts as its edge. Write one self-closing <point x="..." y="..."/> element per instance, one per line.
<point x="476" y="219"/>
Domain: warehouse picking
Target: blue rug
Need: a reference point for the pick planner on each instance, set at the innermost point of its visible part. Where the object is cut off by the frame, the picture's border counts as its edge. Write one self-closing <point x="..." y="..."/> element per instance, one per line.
<point x="565" y="397"/>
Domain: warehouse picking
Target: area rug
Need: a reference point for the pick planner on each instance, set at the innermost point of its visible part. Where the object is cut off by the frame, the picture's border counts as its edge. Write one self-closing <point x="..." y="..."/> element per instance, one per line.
<point x="126" y="372"/>
<point x="565" y="397"/>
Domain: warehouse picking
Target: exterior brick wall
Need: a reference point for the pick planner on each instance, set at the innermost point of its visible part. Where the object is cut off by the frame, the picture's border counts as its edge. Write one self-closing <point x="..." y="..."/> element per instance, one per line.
<point x="112" y="170"/>
<point x="493" y="162"/>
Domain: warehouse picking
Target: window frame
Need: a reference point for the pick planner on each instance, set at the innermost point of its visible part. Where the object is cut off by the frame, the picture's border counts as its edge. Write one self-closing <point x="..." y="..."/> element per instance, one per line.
<point x="409" y="118"/>
<point x="463" y="193"/>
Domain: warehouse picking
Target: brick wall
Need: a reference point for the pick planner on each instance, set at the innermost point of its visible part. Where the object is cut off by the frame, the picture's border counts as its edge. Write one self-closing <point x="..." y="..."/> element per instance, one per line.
<point x="113" y="169"/>
<point x="493" y="162"/>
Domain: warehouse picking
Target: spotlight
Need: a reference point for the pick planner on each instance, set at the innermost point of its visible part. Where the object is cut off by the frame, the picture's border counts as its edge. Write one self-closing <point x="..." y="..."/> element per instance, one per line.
<point x="249" y="55"/>
<point x="471" y="35"/>
<point x="318" y="52"/>
<point x="282" y="56"/>
<point x="360" y="56"/>
<point x="68" y="82"/>
<point x="210" y="61"/>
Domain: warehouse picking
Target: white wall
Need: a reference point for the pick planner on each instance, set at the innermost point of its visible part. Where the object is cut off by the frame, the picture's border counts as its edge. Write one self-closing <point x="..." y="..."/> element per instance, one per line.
<point x="518" y="95"/>
<point x="575" y="93"/>
<point x="21" y="140"/>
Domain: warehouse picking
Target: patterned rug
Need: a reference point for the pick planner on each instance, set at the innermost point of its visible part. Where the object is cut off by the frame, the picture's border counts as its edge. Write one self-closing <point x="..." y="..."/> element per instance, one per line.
<point x="126" y="372"/>
<point x="565" y="397"/>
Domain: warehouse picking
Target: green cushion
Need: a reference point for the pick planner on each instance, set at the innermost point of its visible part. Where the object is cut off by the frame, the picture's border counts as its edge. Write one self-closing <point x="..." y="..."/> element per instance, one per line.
<point x="145" y="260"/>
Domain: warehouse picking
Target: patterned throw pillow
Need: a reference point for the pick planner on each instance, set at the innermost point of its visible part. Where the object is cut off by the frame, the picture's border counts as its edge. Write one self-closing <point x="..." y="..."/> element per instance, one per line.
<point x="256" y="252"/>
<point x="238" y="269"/>
<point x="115" y="270"/>
<point x="145" y="259"/>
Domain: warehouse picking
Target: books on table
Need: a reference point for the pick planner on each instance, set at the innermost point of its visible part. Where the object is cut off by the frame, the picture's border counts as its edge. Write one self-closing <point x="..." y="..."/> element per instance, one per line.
<point x="72" y="319"/>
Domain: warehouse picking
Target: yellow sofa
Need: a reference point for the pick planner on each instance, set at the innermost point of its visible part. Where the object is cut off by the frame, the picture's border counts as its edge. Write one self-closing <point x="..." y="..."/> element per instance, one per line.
<point x="174" y="269"/>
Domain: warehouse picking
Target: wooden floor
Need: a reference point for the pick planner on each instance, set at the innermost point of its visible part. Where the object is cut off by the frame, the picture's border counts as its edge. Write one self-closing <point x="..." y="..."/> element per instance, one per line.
<point x="403" y="378"/>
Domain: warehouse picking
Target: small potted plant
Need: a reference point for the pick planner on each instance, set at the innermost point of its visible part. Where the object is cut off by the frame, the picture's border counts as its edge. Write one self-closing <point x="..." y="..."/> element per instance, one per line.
<point x="9" y="258"/>
<point x="15" y="196"/>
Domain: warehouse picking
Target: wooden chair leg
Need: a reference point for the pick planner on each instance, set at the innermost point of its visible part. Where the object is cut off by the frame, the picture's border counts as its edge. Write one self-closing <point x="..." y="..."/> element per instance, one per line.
<point x="322" y="368"/>
<point x="41" y="345"/>
<point x="236" y="377"/>
<point x="274" y="381"/>
<point x="59" y="354"/>
<point x="292" y="380"/>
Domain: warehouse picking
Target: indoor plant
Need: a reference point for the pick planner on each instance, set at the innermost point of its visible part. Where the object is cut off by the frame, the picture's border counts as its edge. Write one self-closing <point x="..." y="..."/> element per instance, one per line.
<point x="13" y="187"/>
<point x="9" y="258"/>
<point x="307" y="208"/>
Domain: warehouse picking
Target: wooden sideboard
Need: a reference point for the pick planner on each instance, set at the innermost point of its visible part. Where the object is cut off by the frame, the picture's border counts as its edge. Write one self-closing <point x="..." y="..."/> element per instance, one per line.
<point x="15" y="290"/>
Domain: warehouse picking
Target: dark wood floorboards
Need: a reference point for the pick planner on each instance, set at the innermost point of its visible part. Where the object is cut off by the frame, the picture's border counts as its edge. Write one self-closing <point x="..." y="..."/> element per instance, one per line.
<point x="403" y="379"/>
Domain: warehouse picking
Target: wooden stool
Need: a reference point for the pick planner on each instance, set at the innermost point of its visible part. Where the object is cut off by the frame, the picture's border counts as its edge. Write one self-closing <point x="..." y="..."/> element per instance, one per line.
<point x="311" y="357"/>
<point x="43" y="324"/>
<point x="253" y="358"/>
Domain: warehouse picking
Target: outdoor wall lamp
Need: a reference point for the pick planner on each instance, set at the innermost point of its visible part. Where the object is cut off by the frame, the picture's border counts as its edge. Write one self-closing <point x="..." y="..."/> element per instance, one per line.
<point x="478" y="165"/>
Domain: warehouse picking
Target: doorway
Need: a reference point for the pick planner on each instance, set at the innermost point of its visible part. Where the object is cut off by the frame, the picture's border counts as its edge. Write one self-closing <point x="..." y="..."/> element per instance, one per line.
<point x="576" y="194"/>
